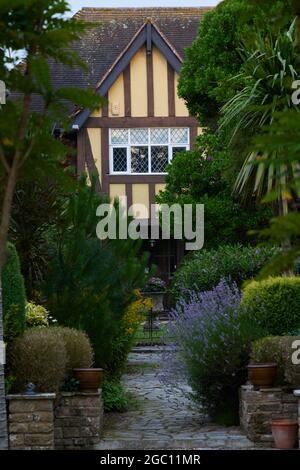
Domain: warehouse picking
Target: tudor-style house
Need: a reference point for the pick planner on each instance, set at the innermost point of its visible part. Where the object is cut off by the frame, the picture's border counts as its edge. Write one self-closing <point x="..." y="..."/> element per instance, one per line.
<point x="134" y="59"/>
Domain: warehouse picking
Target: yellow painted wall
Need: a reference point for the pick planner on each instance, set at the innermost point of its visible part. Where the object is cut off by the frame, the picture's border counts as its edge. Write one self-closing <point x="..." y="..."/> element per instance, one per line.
<point x="116" y="96"/>
<point x="138" y="73"/>
<point x="95" y="140"/>
<point x="140" y="195"/>
<point x="160" y="83"/>
<point x="200" y="130"/>
<point x="180" y="106"/>
<point x="159" y="187"/>
<point x="88" y="179"/>
<point x="117" y="190"/>
<point x="97" y="113"/>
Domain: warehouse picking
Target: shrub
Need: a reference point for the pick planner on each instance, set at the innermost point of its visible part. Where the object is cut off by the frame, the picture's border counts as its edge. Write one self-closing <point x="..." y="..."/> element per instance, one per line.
<point x="204" y="269"/>
<point x="78" y="347"/>
<point x="89" y="283"/>
<point x="38" y="356"/>
<point x="114" y="396"/>
<point x="211" y="345"/>
<point x="278" y="349"/>
<point x="274" y="303"/>
<point x="11" y="324"/>
<point x="36" y="315"/>
<point x="125" y="339"/>
<point x="9" y="384"/>
<point x="13" y="295"/>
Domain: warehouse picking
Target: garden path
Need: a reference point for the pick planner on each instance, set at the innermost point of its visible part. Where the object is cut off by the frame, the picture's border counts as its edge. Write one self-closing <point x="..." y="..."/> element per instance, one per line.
<point x="161" y="417"/>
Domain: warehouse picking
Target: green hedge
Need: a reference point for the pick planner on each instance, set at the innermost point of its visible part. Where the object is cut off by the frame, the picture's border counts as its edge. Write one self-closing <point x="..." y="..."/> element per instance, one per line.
<point x="204" y="269"/>
<point x="13" y="294"/>
<point x="274" y="304"/>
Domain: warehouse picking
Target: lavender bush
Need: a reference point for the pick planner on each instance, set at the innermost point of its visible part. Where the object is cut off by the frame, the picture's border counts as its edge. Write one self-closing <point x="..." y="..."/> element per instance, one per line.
<point x="211" y="337"/>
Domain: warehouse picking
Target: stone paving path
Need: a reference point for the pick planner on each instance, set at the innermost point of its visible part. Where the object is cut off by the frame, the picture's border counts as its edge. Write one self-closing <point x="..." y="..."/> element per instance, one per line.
<point x="163" y="418"/>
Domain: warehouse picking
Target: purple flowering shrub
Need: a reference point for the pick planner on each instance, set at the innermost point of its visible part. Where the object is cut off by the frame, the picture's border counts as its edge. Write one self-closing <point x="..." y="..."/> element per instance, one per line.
<point x="211" y="337"/>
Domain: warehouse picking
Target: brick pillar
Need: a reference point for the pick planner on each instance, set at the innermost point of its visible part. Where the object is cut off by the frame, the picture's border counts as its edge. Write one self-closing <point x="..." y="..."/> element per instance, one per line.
<point x="297" y="394"/>
<point x="78" y="420"/>
<point x="3" y="420"/>
<point x="31" y="421"/>
<point x="259" y="406"/>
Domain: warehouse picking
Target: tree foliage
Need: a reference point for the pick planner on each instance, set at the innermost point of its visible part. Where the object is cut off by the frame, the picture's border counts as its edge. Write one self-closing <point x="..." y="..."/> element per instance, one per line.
<point x="90" y="283"/>
<point x="270" y="68"/>
<point x="28" y="146"/>
<point x="37" y="210"/>
<point x="205" y="176"/>
<point x="214" y="57"/>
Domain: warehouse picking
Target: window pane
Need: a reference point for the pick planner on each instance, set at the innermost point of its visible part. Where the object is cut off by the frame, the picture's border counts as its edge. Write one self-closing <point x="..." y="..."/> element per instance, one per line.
<point x="159" y="159"/>
<point x="177" y="150"/>
<point x="119" y="136"/>
<point x="179" y="135"/>
<point x="159" y="136"/>
<point x="139" y="136"/>
<point x="119" y="159"/>
<point x="139" y="160"/>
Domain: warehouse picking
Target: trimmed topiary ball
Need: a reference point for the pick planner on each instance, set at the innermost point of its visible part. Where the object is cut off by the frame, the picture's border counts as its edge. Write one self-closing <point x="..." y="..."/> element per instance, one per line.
<point x="38" y="356"/>
<point x="274" y="303"/>
<point x="78" y="347"/>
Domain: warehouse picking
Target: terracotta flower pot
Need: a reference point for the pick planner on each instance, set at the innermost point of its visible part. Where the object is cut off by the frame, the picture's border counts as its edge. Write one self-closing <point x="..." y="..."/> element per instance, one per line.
<point x="262" y="375"/>
<point x="285" y="433"/>
<point x="90" y="380"/>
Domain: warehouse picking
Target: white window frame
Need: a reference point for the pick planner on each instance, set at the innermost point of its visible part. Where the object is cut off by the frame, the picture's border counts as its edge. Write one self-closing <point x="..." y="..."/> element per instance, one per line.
<point x="130" y="144"/>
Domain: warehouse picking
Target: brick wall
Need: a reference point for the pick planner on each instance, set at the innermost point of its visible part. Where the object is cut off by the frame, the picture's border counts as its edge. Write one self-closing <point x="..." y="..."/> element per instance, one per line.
<point x="31" y="421"/>
<point x="3" y="422"/>
<point x="259" y="406"/>
<point x="297" y="395"/>
<point x="78" y="420"/>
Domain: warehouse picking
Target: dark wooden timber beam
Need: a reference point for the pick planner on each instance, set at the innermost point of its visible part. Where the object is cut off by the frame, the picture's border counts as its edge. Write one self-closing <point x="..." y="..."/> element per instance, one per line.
<point x="128" y="122"/>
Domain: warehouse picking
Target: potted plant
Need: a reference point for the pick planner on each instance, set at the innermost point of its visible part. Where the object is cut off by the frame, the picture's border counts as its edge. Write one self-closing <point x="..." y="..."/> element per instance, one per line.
<point x="285" y="433"/>
<point x="155" y="289"/>
<point x="262" y="375"/>
<point x="90" y="379"/>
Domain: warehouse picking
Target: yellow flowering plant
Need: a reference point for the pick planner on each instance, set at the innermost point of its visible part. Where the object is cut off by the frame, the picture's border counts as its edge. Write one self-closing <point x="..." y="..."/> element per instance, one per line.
<point x="136" y="312"/>
<point x="124" y="340"/>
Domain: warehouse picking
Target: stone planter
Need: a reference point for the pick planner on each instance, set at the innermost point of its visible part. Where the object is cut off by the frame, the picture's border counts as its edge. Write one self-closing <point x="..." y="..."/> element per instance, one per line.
<point x="157" y="299"/>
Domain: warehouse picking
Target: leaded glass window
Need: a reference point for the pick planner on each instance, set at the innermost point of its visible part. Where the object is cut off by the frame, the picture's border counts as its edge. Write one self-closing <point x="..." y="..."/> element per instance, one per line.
<point x="139" y="160"/>
<point x="159" y="159"/>
<point x="120" y="159"/>
<point x="145" y="151"/>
